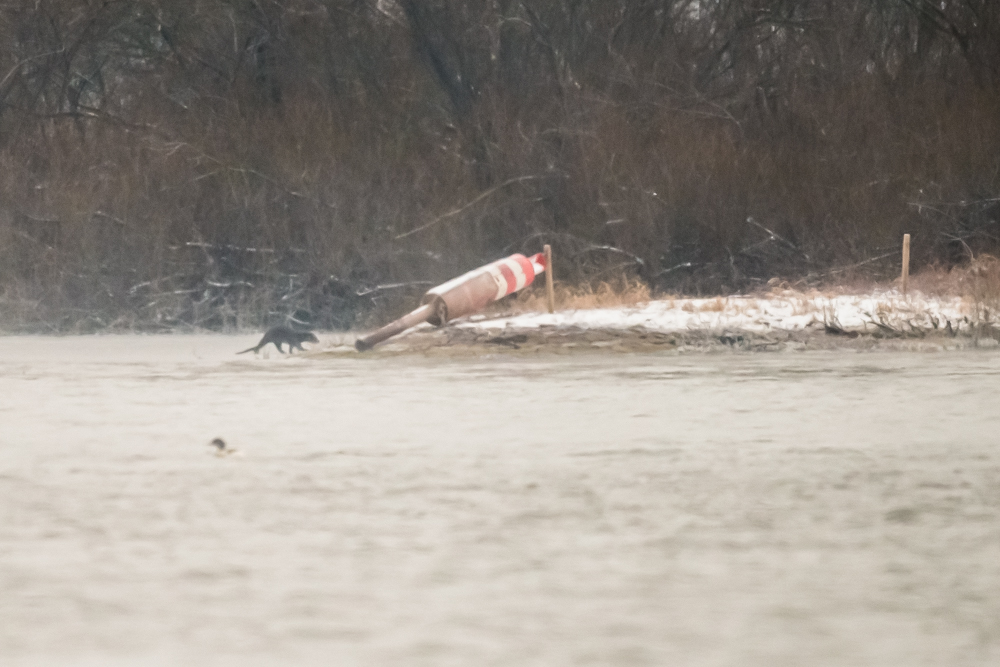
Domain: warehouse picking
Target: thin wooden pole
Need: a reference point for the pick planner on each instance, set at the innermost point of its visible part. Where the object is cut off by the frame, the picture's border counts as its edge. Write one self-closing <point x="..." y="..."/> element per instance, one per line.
<point x="550" y="292"/>
<point x="906" y="262"/>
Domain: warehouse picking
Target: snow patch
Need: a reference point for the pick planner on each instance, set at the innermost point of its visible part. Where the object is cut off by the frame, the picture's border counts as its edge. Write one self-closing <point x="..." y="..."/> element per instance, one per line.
<point x="784" y="312"/>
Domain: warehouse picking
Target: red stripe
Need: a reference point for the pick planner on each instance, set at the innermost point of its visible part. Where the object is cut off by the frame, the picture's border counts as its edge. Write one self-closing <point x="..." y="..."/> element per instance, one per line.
<point x="508" y="275"/>
<point x="529" y="270"/>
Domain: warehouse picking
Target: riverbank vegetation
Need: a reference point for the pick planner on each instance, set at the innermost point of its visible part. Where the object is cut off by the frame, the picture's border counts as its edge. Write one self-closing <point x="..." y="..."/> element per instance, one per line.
<point x="224" y="163"/>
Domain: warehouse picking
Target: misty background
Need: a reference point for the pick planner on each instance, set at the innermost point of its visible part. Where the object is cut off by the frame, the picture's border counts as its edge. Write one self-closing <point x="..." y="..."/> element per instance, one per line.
<point x="220" y="164"/>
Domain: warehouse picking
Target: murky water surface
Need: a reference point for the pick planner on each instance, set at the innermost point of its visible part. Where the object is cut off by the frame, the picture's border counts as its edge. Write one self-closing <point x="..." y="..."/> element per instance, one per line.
<point x="786" y="509"/>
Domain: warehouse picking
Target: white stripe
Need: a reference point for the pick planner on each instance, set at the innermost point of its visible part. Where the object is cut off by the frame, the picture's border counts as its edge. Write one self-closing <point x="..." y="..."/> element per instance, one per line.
<point x="498" y="278"/>
<point x="455" y="282"/>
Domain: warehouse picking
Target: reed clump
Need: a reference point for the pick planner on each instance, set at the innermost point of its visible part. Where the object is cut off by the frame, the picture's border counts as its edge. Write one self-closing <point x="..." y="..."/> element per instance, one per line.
<point x="979" y="283"/>
<point x="619" y="292"/>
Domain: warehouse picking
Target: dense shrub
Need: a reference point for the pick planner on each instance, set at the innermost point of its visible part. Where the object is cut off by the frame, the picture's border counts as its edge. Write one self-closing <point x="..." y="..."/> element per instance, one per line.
<point x="221" y="163"/>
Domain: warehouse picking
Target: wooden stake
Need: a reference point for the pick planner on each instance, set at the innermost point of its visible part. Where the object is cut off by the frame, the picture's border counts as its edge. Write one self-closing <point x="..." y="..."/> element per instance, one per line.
<point x="550" y="293"/>
<point x="906" y="262"/>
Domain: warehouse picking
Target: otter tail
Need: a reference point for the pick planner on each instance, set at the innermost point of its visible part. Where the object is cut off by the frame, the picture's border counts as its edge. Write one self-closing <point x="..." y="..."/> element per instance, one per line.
<point x="249" y="349"/>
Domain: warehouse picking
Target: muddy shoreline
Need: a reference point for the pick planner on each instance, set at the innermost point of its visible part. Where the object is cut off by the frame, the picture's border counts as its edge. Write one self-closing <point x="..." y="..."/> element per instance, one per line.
<point x="781" y="321"/>
<point x="459" y="340"/>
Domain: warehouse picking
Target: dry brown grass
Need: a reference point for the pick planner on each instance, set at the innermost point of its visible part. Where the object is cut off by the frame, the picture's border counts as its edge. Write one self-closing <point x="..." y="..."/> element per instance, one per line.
<point x="977" y="282"/>
<point x="622" y="292"/>
<point x="980" y="282"/>
<point x="978" y="279"/>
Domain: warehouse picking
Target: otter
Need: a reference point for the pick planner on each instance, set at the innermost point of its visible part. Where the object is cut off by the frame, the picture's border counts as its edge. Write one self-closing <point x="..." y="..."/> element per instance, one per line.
<point x="282" y="334"/>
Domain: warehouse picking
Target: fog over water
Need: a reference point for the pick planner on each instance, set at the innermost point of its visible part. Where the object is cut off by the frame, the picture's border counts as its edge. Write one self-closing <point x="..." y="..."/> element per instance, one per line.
<point x="836" y="508"/>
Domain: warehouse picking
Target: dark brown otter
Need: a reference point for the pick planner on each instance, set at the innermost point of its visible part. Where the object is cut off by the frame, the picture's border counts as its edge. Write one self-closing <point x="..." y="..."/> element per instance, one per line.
<point x="280" y="335"/>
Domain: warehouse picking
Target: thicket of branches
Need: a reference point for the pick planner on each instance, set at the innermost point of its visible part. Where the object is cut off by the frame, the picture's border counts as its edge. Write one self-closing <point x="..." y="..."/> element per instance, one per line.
<point x="224" y="162"/>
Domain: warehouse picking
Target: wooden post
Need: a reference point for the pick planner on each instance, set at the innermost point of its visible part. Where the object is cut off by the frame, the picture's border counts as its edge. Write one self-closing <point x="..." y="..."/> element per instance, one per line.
<point x="906" y="262"/>
<point x="550" y="293"/>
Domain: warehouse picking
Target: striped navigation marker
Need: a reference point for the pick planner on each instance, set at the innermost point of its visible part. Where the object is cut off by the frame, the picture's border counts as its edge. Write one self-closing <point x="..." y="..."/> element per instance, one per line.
<point x="513" y="273"/>
<point x="467" y="294"/>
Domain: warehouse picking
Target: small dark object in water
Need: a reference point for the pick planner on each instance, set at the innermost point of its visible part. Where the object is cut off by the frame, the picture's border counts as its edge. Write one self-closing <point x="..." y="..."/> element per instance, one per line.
<point x="221" y="449"/>
<point x="282" y="334"/>
<point x="509" y="341"/>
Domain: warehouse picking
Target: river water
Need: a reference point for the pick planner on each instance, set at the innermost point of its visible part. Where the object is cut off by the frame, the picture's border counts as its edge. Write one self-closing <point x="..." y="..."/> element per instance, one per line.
<point x="836" y="508"/>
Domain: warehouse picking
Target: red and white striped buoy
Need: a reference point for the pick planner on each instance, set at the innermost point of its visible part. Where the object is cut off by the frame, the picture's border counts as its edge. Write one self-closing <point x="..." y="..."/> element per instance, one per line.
<point x="467" y="294"/>
<point x="471" y="292"/>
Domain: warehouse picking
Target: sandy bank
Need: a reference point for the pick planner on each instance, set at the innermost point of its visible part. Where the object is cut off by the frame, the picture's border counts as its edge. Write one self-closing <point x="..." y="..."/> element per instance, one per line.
<point x="787" y="321"/>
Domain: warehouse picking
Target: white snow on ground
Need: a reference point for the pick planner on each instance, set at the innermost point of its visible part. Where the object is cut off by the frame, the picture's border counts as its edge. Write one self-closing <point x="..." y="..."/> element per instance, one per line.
<point x="791" y="311"/>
